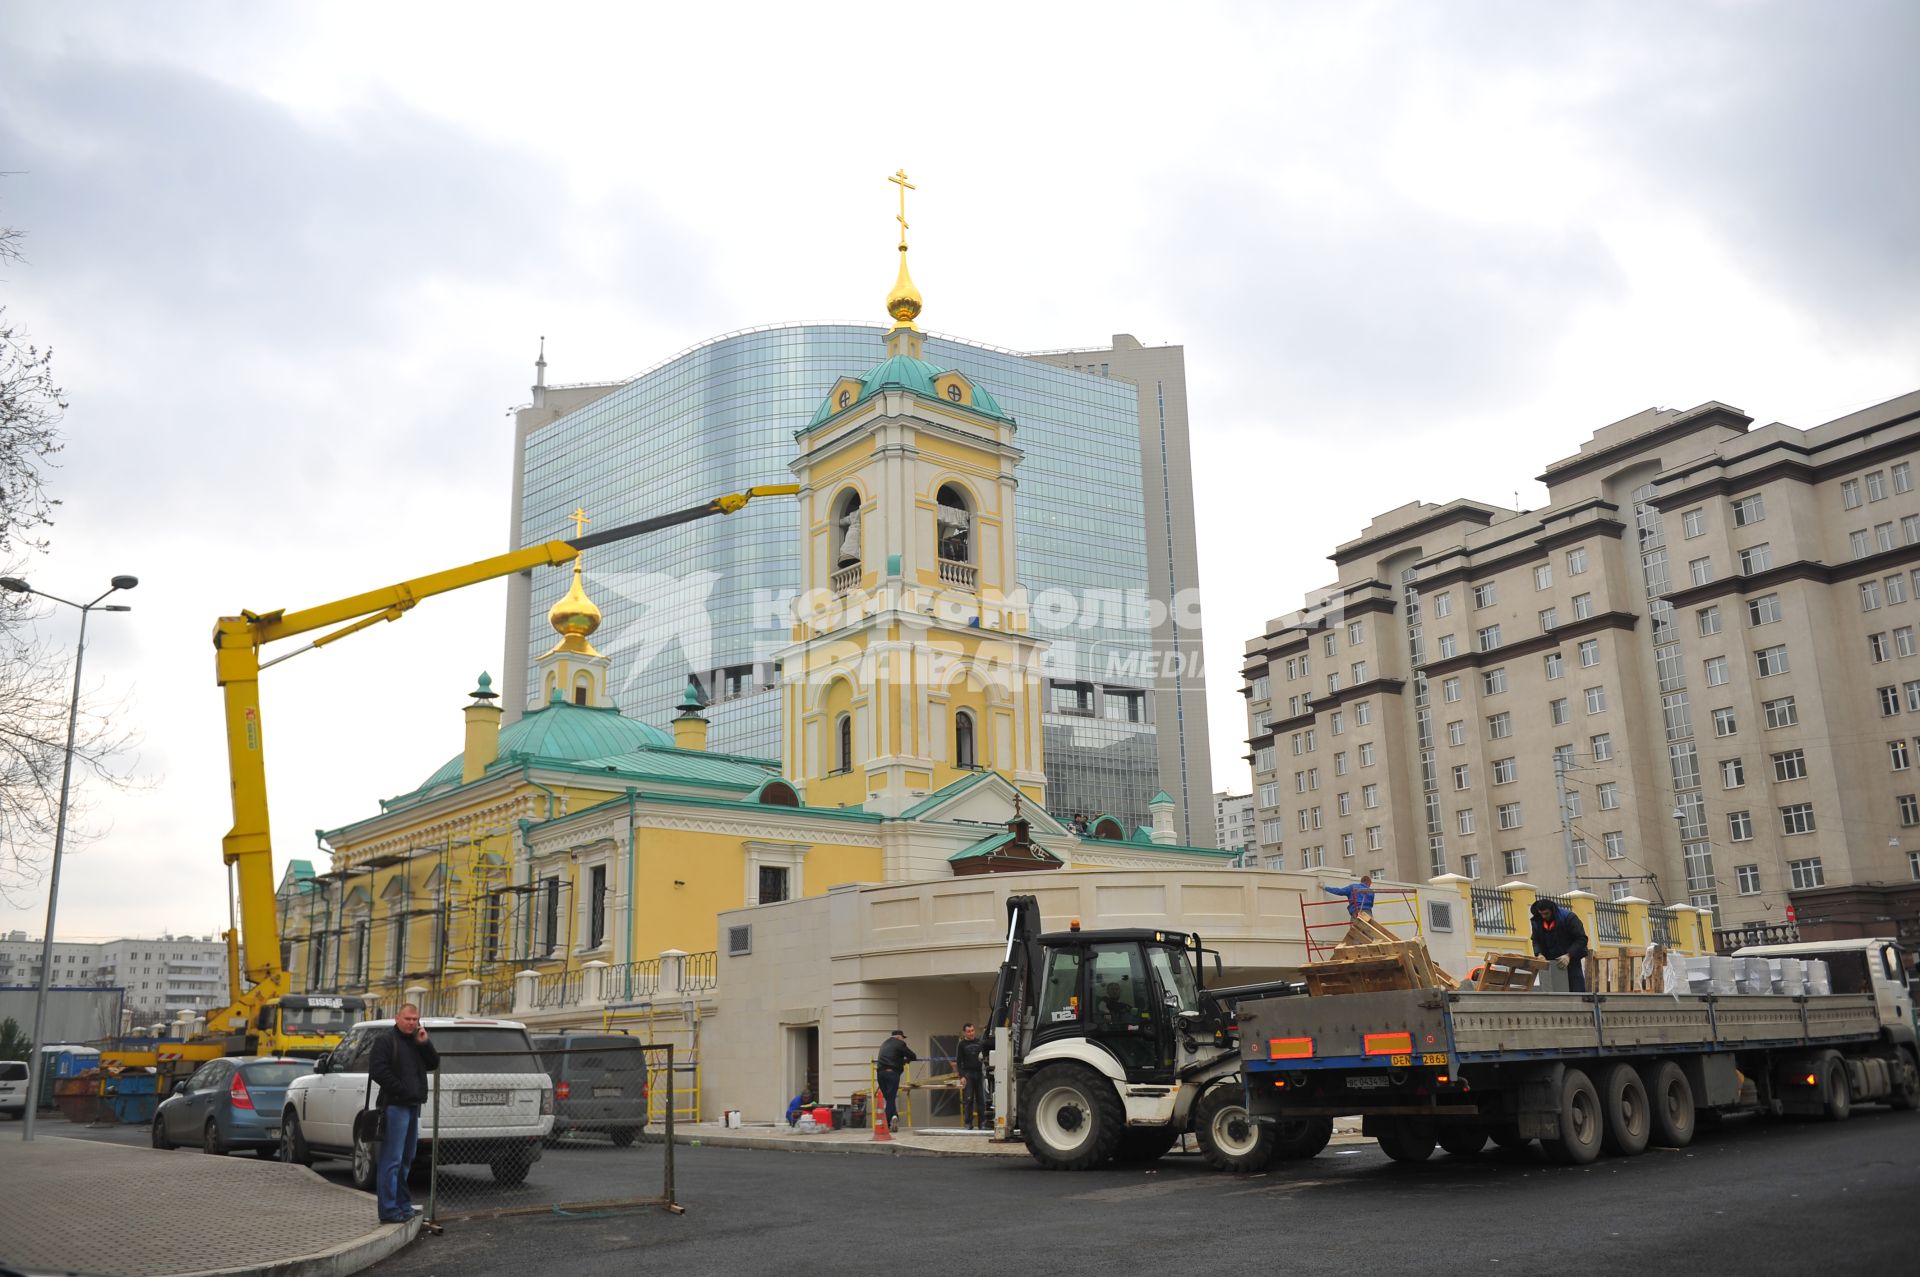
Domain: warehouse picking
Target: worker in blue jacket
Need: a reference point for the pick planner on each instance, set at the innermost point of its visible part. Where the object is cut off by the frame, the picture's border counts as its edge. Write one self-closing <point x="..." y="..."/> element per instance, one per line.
<point x="801" y="1103"/>
<point x="1359" y="896"/>
<point x="1560" y="937"/>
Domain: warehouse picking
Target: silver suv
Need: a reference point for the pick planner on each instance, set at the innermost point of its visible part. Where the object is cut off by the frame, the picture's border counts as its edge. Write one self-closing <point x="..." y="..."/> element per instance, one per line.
<point x="495" y="1101"/>
<point x="13" y="1088"/>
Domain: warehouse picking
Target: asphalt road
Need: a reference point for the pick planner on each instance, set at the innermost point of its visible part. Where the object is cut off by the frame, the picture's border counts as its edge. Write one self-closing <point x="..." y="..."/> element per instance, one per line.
<point x="1752" y="1197"/>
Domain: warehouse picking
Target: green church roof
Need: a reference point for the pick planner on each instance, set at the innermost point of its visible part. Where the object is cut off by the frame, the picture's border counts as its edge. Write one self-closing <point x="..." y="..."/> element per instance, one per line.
<point x="904" y="372"/>
<point x="557" y="732"/>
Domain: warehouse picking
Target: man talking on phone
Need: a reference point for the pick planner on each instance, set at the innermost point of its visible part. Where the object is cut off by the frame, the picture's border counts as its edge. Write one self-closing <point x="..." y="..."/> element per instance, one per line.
<point x="399" y="1067"/>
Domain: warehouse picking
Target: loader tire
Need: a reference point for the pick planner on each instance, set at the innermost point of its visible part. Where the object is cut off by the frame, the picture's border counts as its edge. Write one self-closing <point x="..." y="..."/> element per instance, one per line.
<point x="1230" y="1139"/>
<point x="1297" y="1139"/>
<point x="1071" y="1118"/>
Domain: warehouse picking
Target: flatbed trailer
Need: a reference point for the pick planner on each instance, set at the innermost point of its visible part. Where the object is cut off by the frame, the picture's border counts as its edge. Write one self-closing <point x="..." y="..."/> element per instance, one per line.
<point x="1581" y="1073"/>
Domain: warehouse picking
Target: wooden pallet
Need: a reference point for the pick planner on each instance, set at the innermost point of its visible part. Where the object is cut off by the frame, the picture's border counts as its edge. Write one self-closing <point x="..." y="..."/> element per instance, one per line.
<point x="1372" y="959"/>
<point x="1509" y="972"/>
<point x="1625" y="970"/>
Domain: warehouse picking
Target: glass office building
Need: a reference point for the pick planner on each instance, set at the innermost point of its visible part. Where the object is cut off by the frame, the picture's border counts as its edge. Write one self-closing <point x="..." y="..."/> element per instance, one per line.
<point x="708" y="601"/>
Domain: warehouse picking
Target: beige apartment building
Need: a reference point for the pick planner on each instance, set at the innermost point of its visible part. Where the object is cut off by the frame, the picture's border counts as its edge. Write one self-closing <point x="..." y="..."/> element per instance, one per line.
<point x="1691" y="677"/>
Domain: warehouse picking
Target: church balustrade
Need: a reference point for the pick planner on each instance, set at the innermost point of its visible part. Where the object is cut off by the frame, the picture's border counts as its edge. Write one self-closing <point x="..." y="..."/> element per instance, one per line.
<point x="846" y="579"/>
<point x="964" y="575"/>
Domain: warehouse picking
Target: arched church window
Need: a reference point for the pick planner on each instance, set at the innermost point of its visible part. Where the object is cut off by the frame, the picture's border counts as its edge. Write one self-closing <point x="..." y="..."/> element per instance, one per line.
<point x="963" y="749"/>
<point x="843" y="744"/>
<point x="846" y="524"/>
<point x="581" y="687"/>
<point x="956" y="524"/>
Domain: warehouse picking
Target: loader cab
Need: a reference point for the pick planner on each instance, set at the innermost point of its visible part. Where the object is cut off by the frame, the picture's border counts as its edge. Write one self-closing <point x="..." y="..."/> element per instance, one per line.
<point x="1130" y="992"/>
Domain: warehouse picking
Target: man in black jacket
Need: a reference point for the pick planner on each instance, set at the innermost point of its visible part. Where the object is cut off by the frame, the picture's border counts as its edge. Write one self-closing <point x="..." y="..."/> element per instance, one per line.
<point x="895" y="1055"/>
<point x="401" y="1060"/>
<point x="1559" y="936"/>
<point x="971" y="1061"/>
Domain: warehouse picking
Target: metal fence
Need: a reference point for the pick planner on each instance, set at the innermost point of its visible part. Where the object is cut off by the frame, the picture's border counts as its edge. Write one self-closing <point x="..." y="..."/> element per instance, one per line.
<point x="514" y="1132"/>
<point x="701" y="971"/>
<point x="1610" y="921"/>
<point x="558" y="989"/>
<point x="630" y="981"/>
<point x="1492" y="911"/>
<point x="1661" y="926"/>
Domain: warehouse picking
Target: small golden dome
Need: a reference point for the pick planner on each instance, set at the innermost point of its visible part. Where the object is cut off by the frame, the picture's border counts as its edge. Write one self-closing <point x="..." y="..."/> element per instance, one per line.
<point x="903" y="303"/>
<point x="574" y="617"/>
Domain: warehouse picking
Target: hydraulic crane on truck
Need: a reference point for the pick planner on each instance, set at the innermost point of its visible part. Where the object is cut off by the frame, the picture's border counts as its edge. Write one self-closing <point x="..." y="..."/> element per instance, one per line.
<point x="263" y="1016"/>
<point x="1114" y="1048"/>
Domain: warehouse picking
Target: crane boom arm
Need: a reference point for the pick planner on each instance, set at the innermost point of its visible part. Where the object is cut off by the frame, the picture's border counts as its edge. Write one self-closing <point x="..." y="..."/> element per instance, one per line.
<point x="237" y="641"/>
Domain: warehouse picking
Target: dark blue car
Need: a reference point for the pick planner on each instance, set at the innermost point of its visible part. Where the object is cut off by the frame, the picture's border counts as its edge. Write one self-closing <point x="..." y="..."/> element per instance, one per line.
<point x="228" y="1105"/>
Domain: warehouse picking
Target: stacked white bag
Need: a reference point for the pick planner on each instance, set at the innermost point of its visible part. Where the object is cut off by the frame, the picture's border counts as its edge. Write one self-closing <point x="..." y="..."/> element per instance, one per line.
<point x="1819" y="978"/>
<point x="1789" y="976"/>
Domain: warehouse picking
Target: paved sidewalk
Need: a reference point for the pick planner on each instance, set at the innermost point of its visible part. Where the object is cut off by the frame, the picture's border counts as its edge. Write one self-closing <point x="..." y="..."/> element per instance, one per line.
<point x="72" y="1205"/>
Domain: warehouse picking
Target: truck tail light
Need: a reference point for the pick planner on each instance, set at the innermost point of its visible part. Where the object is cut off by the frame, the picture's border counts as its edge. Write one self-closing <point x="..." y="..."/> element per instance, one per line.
<point x="561" y="1090"/>
<point x="1289" y="1048"/>
<point x="1388" y="1044"/>
<point x="237" y="1094"/>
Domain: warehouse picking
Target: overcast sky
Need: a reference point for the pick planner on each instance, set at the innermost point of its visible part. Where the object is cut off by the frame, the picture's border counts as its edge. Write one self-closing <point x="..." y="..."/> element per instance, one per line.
<point x="294" y="262"/>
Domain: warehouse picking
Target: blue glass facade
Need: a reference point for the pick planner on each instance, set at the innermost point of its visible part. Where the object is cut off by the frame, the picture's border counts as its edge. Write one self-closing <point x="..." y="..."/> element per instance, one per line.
<point x="708" y="600"/>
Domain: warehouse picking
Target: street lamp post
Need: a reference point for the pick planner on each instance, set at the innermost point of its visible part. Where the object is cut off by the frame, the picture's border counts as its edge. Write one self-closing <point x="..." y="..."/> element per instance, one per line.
<point x="17" y="586"/>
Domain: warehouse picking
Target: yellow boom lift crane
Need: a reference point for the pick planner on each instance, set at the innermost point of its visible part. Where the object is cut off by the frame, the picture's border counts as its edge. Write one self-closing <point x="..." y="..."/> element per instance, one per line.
<point x="264" y="1017"/>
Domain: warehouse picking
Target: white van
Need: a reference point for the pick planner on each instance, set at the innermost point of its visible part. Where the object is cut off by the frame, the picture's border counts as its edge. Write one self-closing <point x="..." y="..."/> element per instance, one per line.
<point x="13" y="1088"/>
<point x="495" y="1101"/>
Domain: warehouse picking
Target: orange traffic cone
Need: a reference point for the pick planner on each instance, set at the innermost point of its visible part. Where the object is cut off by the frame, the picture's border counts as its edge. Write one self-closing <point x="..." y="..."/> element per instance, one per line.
<point x="881" y="1134"/>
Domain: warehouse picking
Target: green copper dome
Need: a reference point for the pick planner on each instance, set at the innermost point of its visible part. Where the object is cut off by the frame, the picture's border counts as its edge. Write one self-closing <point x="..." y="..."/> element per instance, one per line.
<point x="562" y="732"/>
<point x="904" y="372"/>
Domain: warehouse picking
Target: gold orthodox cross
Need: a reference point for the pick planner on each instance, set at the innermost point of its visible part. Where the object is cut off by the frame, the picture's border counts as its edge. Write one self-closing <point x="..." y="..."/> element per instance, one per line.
<point x="900" y="179"/>
<point x="580" y="522"/>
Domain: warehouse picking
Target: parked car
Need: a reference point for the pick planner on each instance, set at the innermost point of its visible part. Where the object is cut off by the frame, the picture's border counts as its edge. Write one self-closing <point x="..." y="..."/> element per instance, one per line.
<point x="13" y="1088"/>
<point x="495" y="1101"/>
<point x="599" y="1083"/>
<point x="228" y="1105"/>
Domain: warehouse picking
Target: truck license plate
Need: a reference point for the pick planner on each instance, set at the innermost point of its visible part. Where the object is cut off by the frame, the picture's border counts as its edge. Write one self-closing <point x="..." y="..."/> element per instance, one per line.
<point x="1370" y="1082"/>
<point x="608" y="1092"/>
<point x="483" y="1097"/>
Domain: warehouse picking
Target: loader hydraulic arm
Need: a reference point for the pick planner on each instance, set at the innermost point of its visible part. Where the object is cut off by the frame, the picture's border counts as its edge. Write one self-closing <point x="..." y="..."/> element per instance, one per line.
<point x="237" y="641"/>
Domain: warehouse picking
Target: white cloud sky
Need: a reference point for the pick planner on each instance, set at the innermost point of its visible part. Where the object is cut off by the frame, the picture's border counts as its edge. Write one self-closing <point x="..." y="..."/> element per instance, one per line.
<point x="294" y="261"/>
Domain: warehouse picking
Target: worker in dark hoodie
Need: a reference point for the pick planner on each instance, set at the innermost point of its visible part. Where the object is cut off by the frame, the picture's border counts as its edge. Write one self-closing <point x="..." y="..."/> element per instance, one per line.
<point x="1559" y="936"/>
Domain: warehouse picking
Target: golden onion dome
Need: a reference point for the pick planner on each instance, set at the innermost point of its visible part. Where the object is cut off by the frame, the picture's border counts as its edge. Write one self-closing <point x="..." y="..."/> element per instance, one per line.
<point x="904" y="302"/>
<point x="575" y="616"/>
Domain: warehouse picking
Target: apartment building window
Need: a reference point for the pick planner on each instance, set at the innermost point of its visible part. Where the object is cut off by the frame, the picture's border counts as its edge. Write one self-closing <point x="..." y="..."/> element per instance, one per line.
<point x="1898" y="755"/>
<point x="1781" y="713"/>
<point x="1343" y="803"/>
<point x="1700" y="570"/>
<point x="1263" y="759"/>
<point x="1370" y="796"/>
<point x="1772" y="660"/>
<point x="1457" y="732"/>
<point x="1850" y="494"/>
<point x="1362" y="713"/>
<point x="1678" y="715"/>
<point x="1717" y="672"/>
<point x="1879" y="649"/>
<point x="1505" y="771"/>
<point x="1582" y="606"/>
<point x="1876" y="485"/>
<point x="1340" y="763"/>
<point x="1740" y="826"/>
<point x="1270" y="831"/>
<point x="1858" y="545"/>
<point x="1302" y="817"/>
<point x="1366" y="754"/>
<point x="1709" y="619"/>
<point x="1749" y="510"/>
<point x="1559" y="712"/>
<point x="1723" y="722"/>
<point x="1733" y="773"/>
<point x="1463" y="776"/>
<point x="1601" y="747"/>
<point x="1596" y="700"/>
<point x="1883" y="535"/>
<point x="1897" y="584"/>
<point x="1443" y="603"/>
<point x="1375" y="838"/>
<point x="1450" y="690"/>
<point x="1463" y="820"/>
<point x="1693" y="523"/>
<point x="1576" y="560"/>
<point x="1749" y="879"/>
<point x="1549" y="617"/>
<point x="1909" y="809"/>
<point x="1493" y="682"/>
<point x="1542" y="576"/>
<point x="1764" y="610"/>
<point x="1912" y="691"/>
<point x="1485" y="595"/>
<point x="1330" y="642"/>
<point x="1500" y="726"/>
<point x="1807" y="874"/>
<point x="1889" y="701"/>
<point x="1358" y="672"/>
<point x="1261" y="688"/>
<point x="1797" y="819"/>
<point x="1589" y="653"/>
<point x="1333" y="682"/>
<point x="1614" y="842"/>
<point x="1270" y="791"/>
<point x="1556" y="665"/>
<point x="1903" y="476"/>
<point x="1913" y="865"/>
<point x="1575" y="804"/>
<point x="1608" y="792"/>
<point x="1869" y="595"/>
<point x="1756" y="558"/>
<point x="1346" y="844"/>
<point x="1790" y="765"/>
<point x="1337" y="722"/>
<point x="1516" y="861"/>
<point x="1449" y="646"/>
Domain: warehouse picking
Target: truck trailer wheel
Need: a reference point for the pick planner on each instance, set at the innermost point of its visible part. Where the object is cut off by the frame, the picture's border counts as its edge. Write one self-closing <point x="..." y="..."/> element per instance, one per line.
<point x="1670" y="1098"/>
<point x="1296" y="1141"/>
<point x="1838" y="1106"/>
<point x="1906" y="1081"/>
<point x="1581" y="1121"/>
<point x="1623" y="1099"/>
<point x="1070" y="1118"/>
<point x="1407" y="1139"/>
<point x="1230" y="1139"/>
<point x="1507" y="1135"/>
<point x="1462" y="1139"/>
